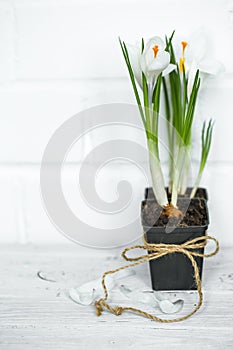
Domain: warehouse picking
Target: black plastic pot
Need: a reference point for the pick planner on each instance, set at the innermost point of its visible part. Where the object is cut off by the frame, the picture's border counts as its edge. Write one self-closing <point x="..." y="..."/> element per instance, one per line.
<point x="200" y="193"/>
<point x="174" y="271"/>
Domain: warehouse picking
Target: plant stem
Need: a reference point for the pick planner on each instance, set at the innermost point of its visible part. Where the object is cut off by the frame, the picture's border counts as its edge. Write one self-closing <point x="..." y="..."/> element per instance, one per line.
<point x="178" y="164"/>
<point x="157" y="175"/>
<point x="185" y="172"/>
<point x="196" y="185"/>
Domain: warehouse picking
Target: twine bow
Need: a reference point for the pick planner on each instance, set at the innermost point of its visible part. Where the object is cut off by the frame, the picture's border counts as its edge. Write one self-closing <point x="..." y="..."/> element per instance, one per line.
<point x="157" y="251"/>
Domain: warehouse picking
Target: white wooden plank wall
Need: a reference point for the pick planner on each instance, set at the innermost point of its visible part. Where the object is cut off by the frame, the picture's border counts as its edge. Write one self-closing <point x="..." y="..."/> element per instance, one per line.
<point x="60" y="57"/>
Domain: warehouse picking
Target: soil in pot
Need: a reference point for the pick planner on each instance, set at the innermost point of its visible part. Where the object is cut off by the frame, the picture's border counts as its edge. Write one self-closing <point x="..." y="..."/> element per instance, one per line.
<point x="174" y="271"/>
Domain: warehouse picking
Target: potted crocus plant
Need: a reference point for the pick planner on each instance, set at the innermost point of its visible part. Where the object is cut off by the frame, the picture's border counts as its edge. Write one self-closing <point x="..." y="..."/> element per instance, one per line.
<point x="174" y="214"/>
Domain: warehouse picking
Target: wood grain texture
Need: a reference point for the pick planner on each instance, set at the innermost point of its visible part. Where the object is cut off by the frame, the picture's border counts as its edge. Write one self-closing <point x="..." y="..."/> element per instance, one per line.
<point x="37" y="314"/>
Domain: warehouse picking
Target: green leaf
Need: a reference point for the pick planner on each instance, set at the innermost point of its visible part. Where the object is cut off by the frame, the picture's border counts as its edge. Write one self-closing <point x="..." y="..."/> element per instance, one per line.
<point x="156" y="107"/>
<point x="169" y="41"/>
<point x="206" y="137"/>
<point x="142" y="45"/>
<point x="146" y="100"/>
<point x="166" y="99"/>
<point x="206" y="143"/>
<point x="190" y="110"/>
<point x="185" y="99"/>
<point x="131" y="74"/>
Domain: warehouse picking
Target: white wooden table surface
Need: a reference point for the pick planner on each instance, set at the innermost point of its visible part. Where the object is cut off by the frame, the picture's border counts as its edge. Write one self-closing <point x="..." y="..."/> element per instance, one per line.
<point x="38" y="314"/>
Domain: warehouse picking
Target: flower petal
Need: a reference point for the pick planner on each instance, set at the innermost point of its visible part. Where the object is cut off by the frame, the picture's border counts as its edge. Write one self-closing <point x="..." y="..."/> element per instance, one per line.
<point x="161" y="62"/>
<point x="139" y="296"/>
<point x="167" y="307"/>
<point x="156" y="40"/>
<point x="211" y="66"/>
<point x="198" y="45"/>
<point x="152" y="299"/>
<point x="191" y="77"/>
<point x="134" y="56"/>
<point x="170" y="68"/>
<point x="85" y="298"/>
<point x="86" y="293"/>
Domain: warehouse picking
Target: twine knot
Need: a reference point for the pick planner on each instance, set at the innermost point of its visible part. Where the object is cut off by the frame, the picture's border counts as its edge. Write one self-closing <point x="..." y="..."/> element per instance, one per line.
<point x="98" y="307"/>
<point x="155" y="251"/>
<point x="118" y="310"/>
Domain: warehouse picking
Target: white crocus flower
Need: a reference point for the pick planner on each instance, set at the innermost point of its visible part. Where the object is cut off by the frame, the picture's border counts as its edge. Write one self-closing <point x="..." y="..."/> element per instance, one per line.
<point x="152" y="61"/>
<point x="196" y="55"/>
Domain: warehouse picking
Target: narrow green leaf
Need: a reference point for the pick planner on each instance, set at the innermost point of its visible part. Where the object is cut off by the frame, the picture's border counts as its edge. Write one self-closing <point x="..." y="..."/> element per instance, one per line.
<point x="131" y="74"/>
<point x="142" y="45"/>
<point x="169" y="41"/>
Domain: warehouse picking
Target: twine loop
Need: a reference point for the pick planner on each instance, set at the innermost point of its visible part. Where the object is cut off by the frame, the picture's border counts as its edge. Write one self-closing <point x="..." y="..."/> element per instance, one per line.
<point x="156" y="251"/>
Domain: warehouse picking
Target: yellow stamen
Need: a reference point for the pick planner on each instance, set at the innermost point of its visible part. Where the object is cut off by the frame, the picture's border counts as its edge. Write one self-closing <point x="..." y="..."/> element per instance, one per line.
<point x="182" y="64"/>
<point x="182" y="59"/>
<point x="156" y="50"/>
<point x="184" y="44"/>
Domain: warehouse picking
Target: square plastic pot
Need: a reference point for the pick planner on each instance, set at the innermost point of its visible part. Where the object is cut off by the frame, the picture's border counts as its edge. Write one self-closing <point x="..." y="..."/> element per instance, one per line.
<point x="174" y="271"/>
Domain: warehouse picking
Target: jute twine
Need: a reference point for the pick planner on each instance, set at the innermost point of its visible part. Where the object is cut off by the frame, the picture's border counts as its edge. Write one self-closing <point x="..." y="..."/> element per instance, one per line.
<point x="157" y="251"/>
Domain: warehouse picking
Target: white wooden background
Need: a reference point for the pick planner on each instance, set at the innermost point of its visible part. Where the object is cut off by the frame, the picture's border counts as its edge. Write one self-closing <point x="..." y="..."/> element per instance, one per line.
<point x="60" y="57"/>
<point x="37" y="314"/>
